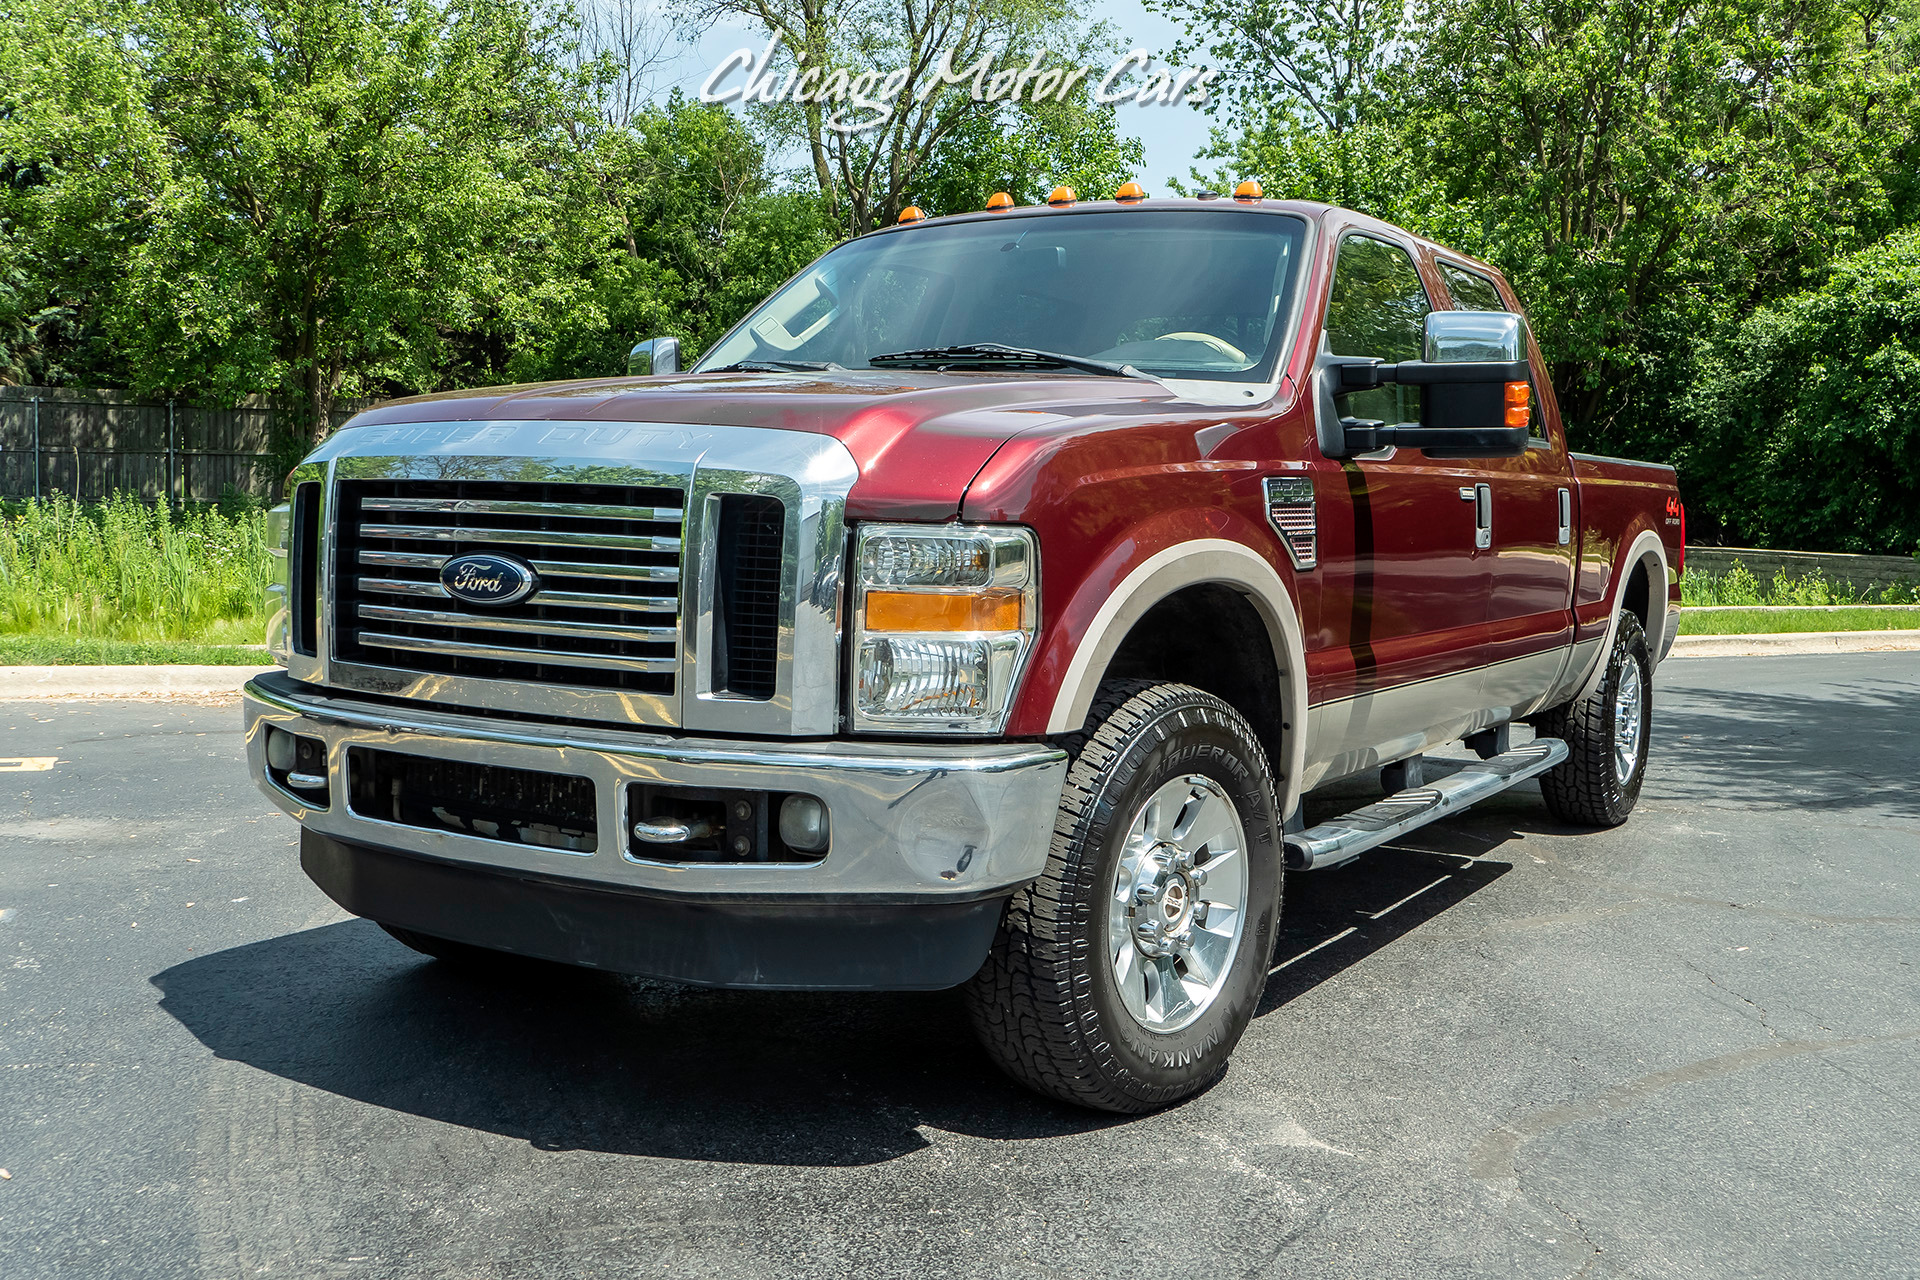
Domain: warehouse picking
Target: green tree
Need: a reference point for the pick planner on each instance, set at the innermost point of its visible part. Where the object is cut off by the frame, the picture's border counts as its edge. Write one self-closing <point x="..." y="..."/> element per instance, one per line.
<point x="1648" y="168"/>
<point x="1804" y="425"/>
<point x="700" y="233"/>
<point x="1291" y="61"/>
<point x="308" y="196"/>
<point x="1027" y="152"/>
<point x="866" y="176"/>
<point x="1646" y="171"/>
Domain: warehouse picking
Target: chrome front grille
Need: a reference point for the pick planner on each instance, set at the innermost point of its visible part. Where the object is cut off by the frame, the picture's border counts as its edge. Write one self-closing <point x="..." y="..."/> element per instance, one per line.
<point x="607" y="611"/>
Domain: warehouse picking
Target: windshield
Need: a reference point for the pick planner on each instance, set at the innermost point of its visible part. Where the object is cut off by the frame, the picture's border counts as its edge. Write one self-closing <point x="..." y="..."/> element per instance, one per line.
<point x="1174" y="294"/>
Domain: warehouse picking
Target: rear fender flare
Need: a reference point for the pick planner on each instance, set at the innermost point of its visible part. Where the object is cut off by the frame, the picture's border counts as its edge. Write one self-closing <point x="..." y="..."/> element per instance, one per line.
<point x="1646" y="549"/>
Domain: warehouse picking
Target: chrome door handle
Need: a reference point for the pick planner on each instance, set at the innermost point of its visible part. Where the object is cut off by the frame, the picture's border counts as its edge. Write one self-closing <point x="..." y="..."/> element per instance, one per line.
<point x="1482" y="516"/>
<point x="1566" y="516"/>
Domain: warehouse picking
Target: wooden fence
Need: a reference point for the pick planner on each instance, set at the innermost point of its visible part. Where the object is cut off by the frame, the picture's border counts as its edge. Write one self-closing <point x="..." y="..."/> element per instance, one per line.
<point x="90" y="444"/>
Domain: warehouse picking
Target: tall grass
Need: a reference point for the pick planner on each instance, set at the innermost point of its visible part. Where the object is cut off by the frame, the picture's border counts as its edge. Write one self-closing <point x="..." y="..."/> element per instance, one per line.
<point x="122" y="570"/>
<point x="1739" y="587"/>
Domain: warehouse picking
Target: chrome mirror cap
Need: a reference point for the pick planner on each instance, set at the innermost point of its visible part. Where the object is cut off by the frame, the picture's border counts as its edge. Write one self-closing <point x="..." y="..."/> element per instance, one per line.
<point x="655" y="355"/>
<point x="1455" y="337"/>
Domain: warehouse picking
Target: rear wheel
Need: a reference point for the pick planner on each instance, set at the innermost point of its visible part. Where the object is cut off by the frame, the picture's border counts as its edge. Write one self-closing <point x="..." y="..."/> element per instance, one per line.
<point x="1606" y="735"/>
<point x="1123" y="978"/>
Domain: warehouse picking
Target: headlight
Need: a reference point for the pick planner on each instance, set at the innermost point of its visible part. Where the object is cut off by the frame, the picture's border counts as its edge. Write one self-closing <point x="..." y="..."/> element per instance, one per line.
<point x="944" y="619"/>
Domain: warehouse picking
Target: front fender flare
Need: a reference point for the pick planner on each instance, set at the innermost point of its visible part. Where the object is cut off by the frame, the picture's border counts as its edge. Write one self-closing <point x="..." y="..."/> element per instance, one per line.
<point x="1188" y="564"/>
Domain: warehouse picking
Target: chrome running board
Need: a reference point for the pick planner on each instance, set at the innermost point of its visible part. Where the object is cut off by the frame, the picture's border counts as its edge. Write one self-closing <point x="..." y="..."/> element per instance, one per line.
<point x="1346" y="837"/>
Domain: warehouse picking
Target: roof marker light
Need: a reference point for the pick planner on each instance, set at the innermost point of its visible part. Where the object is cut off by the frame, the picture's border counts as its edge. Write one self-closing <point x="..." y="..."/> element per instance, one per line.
<point x="1248" y="191"/>
<point x="999" y="200"/>
<point x="1130" y="192"/>
<point x="1060" y="197"/>
<point x="913" y="213"/>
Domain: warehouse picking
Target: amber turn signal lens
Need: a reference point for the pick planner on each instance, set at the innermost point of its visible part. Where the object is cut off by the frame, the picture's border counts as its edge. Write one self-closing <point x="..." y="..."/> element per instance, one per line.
<point x="1248" y="190"/>
<point x="913" y="213"/>
<point x="1519" y="404"/>
<point x="1129" y="192"/>
<point x="997" y="610"/>
<point x="999" y="200"/>
<point x="1061" y="195"/>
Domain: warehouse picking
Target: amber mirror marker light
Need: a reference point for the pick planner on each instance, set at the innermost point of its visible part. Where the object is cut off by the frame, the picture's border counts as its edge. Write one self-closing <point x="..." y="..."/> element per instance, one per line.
<point x="1129" y="192"/>
<point x="913" y="213"/>
<point x="1248" y="191"/>
<point x="999" y="200"/>
<point x="1061" y="196"/>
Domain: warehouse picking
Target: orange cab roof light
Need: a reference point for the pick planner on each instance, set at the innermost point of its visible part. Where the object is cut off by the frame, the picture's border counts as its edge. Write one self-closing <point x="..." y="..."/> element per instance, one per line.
<point x="1060" y="197"/>
<point x="1248" y="191"/>
<point x="913" y="213"/>
<point x="1130" y="192"/>
<point x="999" y="200"/>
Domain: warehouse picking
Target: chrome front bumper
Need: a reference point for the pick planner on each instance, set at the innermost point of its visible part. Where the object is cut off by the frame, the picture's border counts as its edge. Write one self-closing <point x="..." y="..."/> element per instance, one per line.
<point x="911" y="823"/>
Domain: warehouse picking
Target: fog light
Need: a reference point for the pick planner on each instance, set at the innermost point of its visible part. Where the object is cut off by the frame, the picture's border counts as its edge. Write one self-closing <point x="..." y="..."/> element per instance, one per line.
<point x="296" y="761"/>
<point x="803" y="824"/>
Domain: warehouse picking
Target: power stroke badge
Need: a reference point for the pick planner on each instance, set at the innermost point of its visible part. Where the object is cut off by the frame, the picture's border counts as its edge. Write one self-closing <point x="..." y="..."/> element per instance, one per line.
<point x="481" y="577"/>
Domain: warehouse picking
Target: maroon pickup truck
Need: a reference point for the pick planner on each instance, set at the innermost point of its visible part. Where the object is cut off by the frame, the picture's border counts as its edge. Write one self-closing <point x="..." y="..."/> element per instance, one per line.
<point x="980" y="611"/>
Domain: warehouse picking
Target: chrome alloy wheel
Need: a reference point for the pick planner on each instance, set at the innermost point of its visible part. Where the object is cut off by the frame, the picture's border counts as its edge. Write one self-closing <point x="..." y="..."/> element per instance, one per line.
<point x="1179" y="903"/>
<point x="1628" y="695"/>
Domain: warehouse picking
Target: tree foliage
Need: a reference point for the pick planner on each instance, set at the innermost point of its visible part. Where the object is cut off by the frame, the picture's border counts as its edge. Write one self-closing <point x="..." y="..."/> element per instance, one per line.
<point x="1805" y="413"/>
<point x="332" y="199"/>
<point x="307" y="198"/>
<point x="867" y="176"/>
<point x="1027" y="155"/>
<point x="1647" y="172"/>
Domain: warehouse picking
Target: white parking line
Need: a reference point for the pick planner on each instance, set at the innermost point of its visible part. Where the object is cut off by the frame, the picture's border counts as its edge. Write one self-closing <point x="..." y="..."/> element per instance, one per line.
<point x="1409" y="898"/>
<point x="27" y="764"/>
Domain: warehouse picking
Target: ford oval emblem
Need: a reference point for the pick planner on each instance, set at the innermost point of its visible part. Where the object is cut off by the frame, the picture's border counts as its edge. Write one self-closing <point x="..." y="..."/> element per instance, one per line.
<point x="484" y="578"/>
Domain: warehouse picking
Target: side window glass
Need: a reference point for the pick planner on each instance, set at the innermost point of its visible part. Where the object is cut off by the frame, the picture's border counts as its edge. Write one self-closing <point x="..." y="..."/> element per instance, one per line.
<point x="1471" y="291"/>
<point x="1377" y="307"/>
<point x="1474" y="292"/>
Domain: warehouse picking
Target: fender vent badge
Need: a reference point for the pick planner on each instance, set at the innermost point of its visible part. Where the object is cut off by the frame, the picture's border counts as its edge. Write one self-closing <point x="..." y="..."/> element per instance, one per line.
<point x="1290" y="509"/>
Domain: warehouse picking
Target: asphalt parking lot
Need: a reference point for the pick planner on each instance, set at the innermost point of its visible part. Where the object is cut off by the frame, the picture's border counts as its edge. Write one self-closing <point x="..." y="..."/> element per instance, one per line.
<point x="1689" y="1047"/>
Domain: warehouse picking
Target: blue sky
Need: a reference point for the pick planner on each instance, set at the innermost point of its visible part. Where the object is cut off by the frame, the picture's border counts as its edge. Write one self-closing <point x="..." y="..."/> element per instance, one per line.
<point x="1172" y="135"/>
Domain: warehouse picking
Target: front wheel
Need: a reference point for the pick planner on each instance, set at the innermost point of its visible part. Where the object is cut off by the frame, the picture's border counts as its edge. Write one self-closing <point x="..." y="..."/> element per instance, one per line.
<point x="1123" y="978"/>
<point x="1606" y="735"/>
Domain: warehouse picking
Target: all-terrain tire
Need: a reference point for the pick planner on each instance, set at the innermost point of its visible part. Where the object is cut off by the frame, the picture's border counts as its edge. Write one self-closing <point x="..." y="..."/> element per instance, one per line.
<point x="1588" y="789"/>
<point x="1047" y="1002"/>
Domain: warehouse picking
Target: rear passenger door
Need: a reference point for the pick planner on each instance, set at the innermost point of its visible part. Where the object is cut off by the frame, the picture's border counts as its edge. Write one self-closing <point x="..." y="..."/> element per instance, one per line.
<point x="1530" y="562"/>
<point x="1404" y="589"/>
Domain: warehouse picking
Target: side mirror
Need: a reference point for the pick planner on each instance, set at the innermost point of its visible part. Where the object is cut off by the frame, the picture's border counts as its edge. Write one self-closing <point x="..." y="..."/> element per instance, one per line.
<point x="1478" y="398"/>
<point x="655" y="355"/>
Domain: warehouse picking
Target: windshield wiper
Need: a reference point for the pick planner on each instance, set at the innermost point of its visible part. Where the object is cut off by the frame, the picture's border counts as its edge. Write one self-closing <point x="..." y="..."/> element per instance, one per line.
<point x="777" y="366"/>
<point x="993" y="355"/>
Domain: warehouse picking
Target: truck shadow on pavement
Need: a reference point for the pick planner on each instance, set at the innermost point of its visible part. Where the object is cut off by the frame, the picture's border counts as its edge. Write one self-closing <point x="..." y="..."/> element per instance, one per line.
<point x="569" y="1059"/>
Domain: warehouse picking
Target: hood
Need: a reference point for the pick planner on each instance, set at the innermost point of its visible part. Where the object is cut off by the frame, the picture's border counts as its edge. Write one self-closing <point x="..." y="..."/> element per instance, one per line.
<point x="918" y="438"/>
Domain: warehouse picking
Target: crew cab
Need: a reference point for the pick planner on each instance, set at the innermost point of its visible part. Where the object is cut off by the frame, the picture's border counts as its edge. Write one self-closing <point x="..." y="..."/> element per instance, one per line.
<point x="979" y="611"/>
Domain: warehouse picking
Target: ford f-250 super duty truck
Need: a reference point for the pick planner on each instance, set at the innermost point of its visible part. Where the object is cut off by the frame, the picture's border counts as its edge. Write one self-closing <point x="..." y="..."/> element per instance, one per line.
<point x="977" y="611"/>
